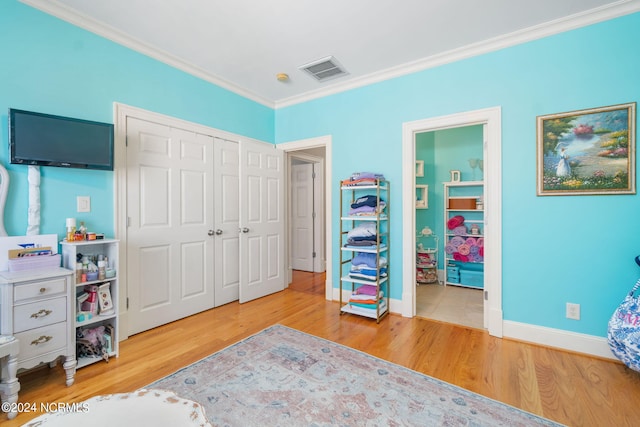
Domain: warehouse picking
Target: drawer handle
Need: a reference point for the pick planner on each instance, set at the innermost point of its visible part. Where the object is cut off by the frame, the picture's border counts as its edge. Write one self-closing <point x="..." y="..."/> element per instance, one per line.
<point x="43" y="339"/>
<point x="41" y="313"/>
<point x="43" y="290"/>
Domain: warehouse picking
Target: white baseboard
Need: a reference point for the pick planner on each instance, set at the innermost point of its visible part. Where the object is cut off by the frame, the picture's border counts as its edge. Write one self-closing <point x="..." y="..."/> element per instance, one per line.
<point x="564" y="340"/>
<point x="557" y="338"/>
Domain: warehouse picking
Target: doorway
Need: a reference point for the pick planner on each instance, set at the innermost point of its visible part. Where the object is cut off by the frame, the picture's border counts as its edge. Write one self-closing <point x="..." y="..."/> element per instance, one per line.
<point x="491" y="119"/>
<point x="306" y="210"/>
<point x="310" y="146"/>
<point x="437" y="154"/>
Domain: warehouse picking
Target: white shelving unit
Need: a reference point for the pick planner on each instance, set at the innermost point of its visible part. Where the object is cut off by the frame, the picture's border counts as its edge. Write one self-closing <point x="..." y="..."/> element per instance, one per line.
<point x="464" y="266"/>
<point x="427" y="259"/>
<point x="93" y="248"/>
<point x="348" y="194"/>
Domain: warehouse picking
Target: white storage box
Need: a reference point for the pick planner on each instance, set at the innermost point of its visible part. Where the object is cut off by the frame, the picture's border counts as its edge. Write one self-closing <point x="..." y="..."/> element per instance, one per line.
<point x="34" y="262"/>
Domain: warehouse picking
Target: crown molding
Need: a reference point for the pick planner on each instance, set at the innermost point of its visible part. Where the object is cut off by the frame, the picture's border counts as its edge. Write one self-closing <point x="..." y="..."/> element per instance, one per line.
<point x="593" y="16"/>
<point x="63" y="12"/>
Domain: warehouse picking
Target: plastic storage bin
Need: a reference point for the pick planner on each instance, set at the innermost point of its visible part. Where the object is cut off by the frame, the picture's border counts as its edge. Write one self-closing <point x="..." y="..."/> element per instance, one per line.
<point x="472" y="278"/>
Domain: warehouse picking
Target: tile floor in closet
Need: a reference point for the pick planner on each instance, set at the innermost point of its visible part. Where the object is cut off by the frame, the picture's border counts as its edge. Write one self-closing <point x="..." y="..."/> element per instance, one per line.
<point x="453" y="304"/>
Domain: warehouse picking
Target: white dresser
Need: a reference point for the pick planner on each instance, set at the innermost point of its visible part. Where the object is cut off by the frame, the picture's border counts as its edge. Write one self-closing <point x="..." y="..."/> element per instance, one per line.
<point x="37" y="308"/>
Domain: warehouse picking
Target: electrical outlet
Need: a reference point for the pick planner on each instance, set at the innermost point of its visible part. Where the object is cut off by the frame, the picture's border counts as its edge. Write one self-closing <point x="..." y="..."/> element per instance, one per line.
<point x="573" y="311"/>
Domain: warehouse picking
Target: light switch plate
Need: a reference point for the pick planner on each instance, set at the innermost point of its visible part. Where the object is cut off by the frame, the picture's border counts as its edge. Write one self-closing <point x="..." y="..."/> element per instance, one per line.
<point x="84" y="203"/>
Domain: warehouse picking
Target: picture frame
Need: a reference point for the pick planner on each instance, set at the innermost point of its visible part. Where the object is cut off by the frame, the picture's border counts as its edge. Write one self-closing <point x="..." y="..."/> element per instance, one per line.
<point x="587" y="152"/>
<point x="419" y="168"/>
<point x="422" y="196"/>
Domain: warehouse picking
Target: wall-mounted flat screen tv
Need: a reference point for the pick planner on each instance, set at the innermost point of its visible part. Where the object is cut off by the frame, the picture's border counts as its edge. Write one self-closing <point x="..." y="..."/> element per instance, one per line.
<point x="48" y="140"/>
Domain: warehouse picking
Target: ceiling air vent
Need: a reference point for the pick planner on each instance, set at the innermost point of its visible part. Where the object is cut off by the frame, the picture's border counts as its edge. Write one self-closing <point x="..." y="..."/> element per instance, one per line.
<point x="324" y="69"/>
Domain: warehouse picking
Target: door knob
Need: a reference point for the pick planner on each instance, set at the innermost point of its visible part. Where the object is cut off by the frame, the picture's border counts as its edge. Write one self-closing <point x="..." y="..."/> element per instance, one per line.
<point x="245" y="230"/>
<point x="210" y="232"/>
<point x="218" y="232"/>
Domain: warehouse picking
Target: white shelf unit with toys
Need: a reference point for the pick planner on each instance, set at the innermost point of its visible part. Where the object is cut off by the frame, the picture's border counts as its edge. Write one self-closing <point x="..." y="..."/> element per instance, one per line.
<point x="427" y="259"/>
<point x="464" y="243"/>
<point x="96" y="318"/>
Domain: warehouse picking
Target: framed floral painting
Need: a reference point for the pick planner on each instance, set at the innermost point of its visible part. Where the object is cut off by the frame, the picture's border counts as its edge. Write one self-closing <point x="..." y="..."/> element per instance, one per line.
<point x="587" y="152"/>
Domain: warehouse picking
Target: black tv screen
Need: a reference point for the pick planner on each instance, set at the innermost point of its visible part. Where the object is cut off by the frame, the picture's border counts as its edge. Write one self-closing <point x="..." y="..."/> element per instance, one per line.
<point x="48" y="140"/>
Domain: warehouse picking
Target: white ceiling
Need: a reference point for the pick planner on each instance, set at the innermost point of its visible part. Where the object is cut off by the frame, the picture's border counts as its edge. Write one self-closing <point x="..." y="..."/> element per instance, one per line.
<point x="242" y="44"/>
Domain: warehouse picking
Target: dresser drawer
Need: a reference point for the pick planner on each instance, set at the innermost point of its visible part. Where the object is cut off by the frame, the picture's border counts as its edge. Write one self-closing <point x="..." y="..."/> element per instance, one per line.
<point x="42" y="340"/>
<point x="41" y="288"/>
<point x="39" y="313"/>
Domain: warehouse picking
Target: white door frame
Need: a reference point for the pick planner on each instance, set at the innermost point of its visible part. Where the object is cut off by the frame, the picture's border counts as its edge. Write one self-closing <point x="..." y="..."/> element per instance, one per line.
<point x="322" y="141"/>
<point x="319" y="262"/>
<point x="491" y="118"/>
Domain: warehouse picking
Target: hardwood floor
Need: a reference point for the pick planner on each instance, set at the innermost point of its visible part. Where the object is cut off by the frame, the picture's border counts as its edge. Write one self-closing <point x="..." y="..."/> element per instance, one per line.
<point x="572" y="389"/>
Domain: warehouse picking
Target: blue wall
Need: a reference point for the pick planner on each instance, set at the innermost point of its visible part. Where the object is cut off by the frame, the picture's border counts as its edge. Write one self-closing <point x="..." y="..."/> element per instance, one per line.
<point x="555" y="249"/>
<point x="53" y="67"/>
<point x="425" y="151"/>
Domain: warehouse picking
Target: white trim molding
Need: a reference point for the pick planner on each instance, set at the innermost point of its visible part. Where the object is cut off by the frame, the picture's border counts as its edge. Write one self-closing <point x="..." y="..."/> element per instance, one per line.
<point x="589" y="17"/>
<point x="565" y="340"/>
<point x="491" y="119"/>
<point x="303" y="144"/>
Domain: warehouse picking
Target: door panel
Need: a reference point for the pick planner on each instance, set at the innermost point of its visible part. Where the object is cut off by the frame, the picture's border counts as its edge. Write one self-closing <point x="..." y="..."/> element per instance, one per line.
<point x="154" y="196"/>
<point x="170" y="211"/>
<point x="227" y="243"/>
<point x="254" y="245"/>
<point x="154" y="285"/>
<point x="193" y="275"/>
<point x="254" y="214"/>
<point x="273" y="261"/>
<point x="262" y="220"/>
<point x="302" y="217"/>
<point x="192" y="203"/>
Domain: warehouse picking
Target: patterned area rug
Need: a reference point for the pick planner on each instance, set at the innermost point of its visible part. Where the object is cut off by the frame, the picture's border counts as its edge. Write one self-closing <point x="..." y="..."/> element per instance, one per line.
<point x="284" y="377"/>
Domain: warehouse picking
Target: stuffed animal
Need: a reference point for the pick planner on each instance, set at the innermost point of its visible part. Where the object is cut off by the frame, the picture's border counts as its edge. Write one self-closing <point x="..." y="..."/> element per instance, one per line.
<point x="91" y="343"/>
<point x="95" y="335"/>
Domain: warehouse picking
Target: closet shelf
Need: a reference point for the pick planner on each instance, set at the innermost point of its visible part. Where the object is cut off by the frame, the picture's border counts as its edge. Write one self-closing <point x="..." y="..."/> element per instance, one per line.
<point x="365" y="282"/>
<point x="384" y="186"/>
<point x="369" y="251"/>
<point x="381" y="311"/>
<point x="364" y="218"/>
<point x="464" y="254"/>
<point x="351" y="271"/>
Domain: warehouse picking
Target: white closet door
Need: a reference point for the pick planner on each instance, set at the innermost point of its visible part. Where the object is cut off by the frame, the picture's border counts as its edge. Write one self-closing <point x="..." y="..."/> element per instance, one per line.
<point x="261" y="220"/>
<point x="227" y="221"/>
<point x="302" y="231"/>
<point x="170" y="212"/>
